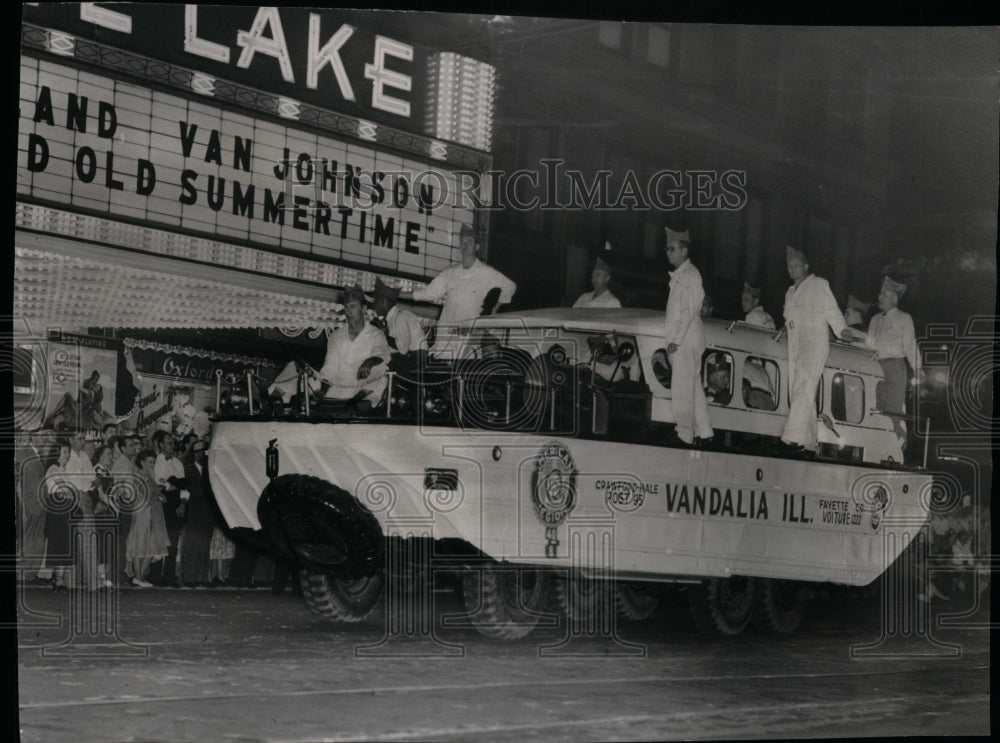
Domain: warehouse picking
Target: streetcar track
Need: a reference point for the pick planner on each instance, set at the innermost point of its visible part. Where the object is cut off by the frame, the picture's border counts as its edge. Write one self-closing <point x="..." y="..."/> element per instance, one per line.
<point x="406" y="689"/>
<point x="674" y="717"/>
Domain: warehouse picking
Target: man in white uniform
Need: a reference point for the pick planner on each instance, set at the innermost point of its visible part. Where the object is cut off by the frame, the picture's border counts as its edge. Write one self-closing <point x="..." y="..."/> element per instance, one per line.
<point x="891" y="334"/>
<point x="755" y="314"/>
<point x="600" y="297"/>
<point x="809" y="309"/>
<point x="463" y="288"/>
<point x="353" y="352"/>
<point x="685" y="341"/>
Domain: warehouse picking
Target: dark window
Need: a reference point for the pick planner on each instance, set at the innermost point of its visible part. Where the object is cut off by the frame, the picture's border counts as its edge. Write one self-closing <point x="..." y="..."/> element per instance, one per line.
<point x="847" y="398"/>
<point x="761" y="382"/>
<point x="661" y="367"/>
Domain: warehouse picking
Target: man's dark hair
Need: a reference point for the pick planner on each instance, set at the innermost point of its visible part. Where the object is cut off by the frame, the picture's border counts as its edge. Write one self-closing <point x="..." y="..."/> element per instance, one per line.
<point x="144" y="455"/>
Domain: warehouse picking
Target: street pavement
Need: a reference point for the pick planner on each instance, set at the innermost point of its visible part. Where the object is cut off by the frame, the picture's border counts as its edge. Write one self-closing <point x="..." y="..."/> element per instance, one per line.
<point x="250" y="665"/>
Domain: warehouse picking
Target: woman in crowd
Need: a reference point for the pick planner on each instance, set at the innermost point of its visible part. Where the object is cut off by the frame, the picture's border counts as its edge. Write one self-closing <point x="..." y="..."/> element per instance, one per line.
<point x="147" y="539"/>
<point x="221" y="552"/>
<point x="103" y="509"/>
<point x="60" y="500"/>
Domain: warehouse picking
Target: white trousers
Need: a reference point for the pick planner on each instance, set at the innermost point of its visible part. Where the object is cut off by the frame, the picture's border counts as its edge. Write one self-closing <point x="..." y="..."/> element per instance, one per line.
<point x="688" y="396"/>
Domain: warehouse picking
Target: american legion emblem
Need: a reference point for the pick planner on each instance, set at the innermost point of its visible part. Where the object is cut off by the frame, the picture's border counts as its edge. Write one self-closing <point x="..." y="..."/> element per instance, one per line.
<point x="553" y="490"/>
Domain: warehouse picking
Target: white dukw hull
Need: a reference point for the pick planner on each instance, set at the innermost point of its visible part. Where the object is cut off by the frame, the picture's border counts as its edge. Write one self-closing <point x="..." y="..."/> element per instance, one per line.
<point x="642" y="511"/>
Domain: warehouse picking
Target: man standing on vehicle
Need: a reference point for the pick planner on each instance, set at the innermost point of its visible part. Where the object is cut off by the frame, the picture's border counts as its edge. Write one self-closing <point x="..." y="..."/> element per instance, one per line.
<point x="600" y="297"/>
<point x="891" y="334"/>
<point x="468" y="290"/>
<point x="685" y="341"/>
<point x="809" y="309"/>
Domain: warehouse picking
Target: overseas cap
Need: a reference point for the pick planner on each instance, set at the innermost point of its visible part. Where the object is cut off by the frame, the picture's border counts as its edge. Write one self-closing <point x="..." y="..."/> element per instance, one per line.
<point x="384" y="290"/>
<point x="791" y="252"/>
<point x="673" y="236"/>
<point x="893" y="286"/>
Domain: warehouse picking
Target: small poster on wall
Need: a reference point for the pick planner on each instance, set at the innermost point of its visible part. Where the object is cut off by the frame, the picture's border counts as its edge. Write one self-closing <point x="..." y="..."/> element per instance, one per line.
<point x="82" y="375"/>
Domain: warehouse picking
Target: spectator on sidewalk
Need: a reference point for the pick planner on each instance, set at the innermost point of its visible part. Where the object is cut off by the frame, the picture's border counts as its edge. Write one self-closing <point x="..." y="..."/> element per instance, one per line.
<point x="126" y="482"/>
<point x="148" y="541"/>
<point x="200" y="518"/>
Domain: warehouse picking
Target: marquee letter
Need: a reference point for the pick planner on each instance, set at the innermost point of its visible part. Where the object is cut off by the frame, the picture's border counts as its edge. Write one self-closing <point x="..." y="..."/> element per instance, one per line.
<point x="43" y="107"/>
<point x="252" y="42"/>
<point x="328" y="54"/>
<point x="38" y="153"/>
<point x="201" y="47"/>
<point x="382" y="77"/>
<point x="107" y="18"/>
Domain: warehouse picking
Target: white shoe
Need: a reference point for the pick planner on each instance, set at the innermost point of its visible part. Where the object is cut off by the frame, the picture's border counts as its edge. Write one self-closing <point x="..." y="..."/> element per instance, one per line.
<point x="140" y="583"/>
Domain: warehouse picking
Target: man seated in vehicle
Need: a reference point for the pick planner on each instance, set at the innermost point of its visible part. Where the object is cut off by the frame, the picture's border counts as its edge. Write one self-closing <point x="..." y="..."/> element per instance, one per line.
<point x="758" y="392"/>
<point x="402" y="328"/>
<point x="717" y="380"/>
<point x="350" y="372"/>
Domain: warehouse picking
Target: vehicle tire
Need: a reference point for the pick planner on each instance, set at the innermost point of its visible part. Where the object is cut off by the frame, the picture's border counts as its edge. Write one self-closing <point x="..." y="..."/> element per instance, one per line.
<point x="341" y="599"/>
<point x="583" y="599"/>
<point x="633" y="601"/>
<point x="324" y="526"/>
<point x="504" y="603"/>
<point x="779" y="606"/>
<point x="722" y="606"/>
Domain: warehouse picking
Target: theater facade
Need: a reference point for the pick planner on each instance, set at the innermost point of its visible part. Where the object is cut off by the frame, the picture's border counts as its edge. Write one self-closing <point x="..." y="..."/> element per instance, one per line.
<point x="196" y="185"/>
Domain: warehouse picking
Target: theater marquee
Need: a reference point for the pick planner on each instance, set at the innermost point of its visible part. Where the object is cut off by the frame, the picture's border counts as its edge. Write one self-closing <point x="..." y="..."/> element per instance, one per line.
<point x="111" y="147"/>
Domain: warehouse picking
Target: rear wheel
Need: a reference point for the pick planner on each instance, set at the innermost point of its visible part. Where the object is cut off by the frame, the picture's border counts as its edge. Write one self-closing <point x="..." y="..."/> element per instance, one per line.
<point x="722" y="606"/>
<point x="634" y="601"/>
<point x="341" y="599"/>
<point x="504" y="603"/>
<point x="583" y="598"/>
<point x="779" y="606"/>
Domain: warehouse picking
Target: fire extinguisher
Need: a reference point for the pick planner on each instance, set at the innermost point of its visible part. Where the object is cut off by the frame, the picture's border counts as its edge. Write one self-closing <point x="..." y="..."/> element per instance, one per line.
<point x="271" y="459"/>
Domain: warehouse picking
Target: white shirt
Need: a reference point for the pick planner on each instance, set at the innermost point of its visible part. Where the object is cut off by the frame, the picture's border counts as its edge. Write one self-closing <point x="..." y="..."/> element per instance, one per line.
<point x="80" y="471"/>
<point x="759" y="316"/>
<point x="463" y="290"/>
<point x="683" y="321"/>
<point x="405" y="329"/>
<point x="345" y="356"/>
<point x="604" y="299"/>
<point x="167" y="468"/>
<point x="892" y="334"/>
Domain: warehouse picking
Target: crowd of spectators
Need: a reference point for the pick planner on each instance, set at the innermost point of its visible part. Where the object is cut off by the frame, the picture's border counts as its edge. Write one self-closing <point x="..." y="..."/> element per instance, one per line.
<point x="116" y="509"/>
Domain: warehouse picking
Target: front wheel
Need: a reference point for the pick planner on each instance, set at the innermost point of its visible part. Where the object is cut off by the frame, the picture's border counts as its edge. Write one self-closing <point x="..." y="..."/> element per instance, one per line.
<point x="779" y="606"/>
<point x="722" y="606"/>
<point x="341" y="599"/>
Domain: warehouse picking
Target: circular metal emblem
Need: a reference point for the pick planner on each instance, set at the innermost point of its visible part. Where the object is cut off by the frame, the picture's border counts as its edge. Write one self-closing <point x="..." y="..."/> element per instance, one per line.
<point x="553" y="492"/>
